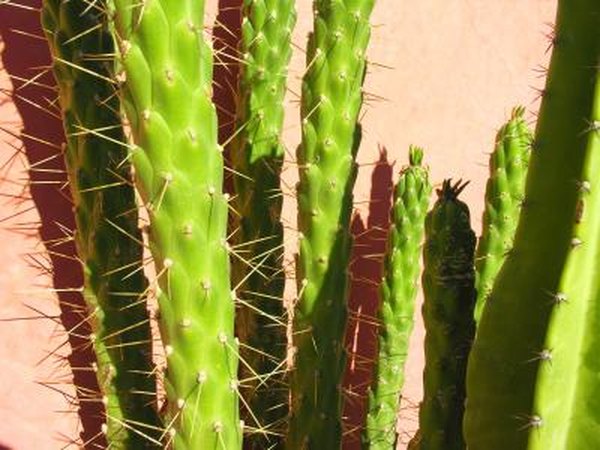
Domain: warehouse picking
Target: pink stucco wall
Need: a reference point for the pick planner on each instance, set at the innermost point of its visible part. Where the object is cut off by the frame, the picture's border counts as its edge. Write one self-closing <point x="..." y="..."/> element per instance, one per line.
<point x="444" y="75"/>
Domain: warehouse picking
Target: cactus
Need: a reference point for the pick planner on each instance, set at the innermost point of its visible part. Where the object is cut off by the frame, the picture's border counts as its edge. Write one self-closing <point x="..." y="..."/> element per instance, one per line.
<point x="166" y="87"/>
<point x="108" y="240"/>
<point x="532" y="378"/>
<point x="257" y="155"/>
<point x="503" y="198"/>
<point x="331" y="101"/>
<point x="398" y="291"/>
<point x="449" y="300"/>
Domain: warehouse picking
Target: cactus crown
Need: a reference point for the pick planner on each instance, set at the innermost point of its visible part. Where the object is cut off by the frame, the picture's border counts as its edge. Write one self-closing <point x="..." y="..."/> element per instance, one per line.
<point x="449" y="191"/>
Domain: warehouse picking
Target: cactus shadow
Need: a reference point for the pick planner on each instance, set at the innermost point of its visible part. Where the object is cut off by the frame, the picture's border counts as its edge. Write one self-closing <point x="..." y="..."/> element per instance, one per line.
<point x="365" y="273"/>
<point x="26" y="56"/>
<point x="226" y="37"/>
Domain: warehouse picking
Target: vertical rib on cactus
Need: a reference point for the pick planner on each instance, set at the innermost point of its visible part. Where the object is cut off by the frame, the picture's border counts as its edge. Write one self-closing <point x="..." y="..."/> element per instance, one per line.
<point x="179" y="173"/>
<point x="108" y="240"/>
<point x="331" y="101"/>
<point x="398" y="291"/>
<point x="503" y="198"/>
<point x="567" y="402"/>
<point x="532" y="380"/>
<point x="449" y="300"/>
<point x="257" y="156"/>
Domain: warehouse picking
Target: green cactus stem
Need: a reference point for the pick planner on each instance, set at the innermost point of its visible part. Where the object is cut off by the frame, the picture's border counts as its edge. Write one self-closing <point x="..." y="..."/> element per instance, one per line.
<point x="166" y="85"/>
<point x="107" y="237"/>
<point x="504" y="195"/>
<point x="533" y="372"/>
<point x="257" y="156"/>
<point x="398" y="291"/>
<point x="449" y="301"/>
<point x="331" y="101"/>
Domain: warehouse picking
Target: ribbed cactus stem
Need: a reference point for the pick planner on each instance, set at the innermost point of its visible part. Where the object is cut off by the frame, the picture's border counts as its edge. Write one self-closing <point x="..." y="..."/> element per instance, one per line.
<point x="397" y="293"/>
<point x="533" y="372"/>
<point x="166" y="85"/>
<point x="449" y="300"/>
<point x="107" y="237"/>
<point x="331" y="101"/>
<point x="257" y="154"/>
<point x="504" y="194"/>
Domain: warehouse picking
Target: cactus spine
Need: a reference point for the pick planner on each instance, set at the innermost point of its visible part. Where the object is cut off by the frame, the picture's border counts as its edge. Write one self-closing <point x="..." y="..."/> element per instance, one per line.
<point x="257" y="155"/>
<point x="179" y="173"/>
<point x="449" y="300"/>
<point x="108" y="240"/>
<point x="398" y="291"/>
<point x="532" y="380"/>
<point x="331" y="101"/>
<point x="504" y="194"/>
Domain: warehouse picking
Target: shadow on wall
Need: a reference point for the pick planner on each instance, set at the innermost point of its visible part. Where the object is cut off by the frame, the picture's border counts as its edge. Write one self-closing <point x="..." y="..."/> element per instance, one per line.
<point x="26" y="57"/>
<point x="226" y="38"/>
<point x="365" y="272"/>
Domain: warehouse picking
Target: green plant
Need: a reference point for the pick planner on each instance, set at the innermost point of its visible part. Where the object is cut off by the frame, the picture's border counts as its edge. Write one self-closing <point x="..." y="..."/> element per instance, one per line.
<point x="504" y="195"/>
<point x="331" y="101"/>
<point x="532" y="375"/>
<point x="108" y="240"/>
<point x="398" y="291"/>
<point x="532" y="378"/>
<point x="166" y="89"/>
<point x="257" y="156"/>
<point x="449" y="301"/>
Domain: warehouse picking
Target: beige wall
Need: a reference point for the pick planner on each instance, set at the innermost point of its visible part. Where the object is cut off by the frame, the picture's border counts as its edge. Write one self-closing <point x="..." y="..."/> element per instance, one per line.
<point x="445" y="75"/>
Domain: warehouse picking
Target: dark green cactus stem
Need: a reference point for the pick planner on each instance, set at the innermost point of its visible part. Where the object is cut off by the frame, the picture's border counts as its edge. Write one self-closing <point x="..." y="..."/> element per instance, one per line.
<point x="398" y="291"/>
<point x="331" y="100"/>
<point x="257" y="155"/>
<point x="107" y="237"/>
<point x="533" y="372"/>
<point x="179" y="172"/>
<point x="449" y="301"/>
<point x="504" y="195"/>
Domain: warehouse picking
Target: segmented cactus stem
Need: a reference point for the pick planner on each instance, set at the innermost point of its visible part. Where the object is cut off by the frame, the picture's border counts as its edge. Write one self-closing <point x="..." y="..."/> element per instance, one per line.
<point x="397" y="293"/>
<point x="167" y="80"/>
<point x="107" y="237"/>
<point x="331" y="101"/>
<point x="257" y="154"/>
<point x="504" y="194"/>
<point x="449" y="301"/>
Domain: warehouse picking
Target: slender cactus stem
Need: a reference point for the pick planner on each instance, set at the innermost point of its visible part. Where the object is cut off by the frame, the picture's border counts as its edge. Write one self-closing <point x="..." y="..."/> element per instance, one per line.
<point x="108" y="240"/>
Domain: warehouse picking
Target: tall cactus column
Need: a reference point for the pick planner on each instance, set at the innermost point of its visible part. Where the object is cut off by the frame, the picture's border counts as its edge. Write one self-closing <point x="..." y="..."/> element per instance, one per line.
<point x="331" y="101"/>
<point x="449" y="302"/>
<point x="108" y="240"/>
<point x="257" y="155"/>
<point x="398" y="291"/>
<point x="533" y="373"/>
<point x="179" y="172"/>
<point x="504" y="194"/>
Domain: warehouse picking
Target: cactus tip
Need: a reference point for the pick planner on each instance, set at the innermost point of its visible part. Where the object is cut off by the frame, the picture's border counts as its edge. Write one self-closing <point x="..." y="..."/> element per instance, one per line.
<point x="450" y="191"/>
<point x="518" y="112"/>
<point x="415" y="155"/>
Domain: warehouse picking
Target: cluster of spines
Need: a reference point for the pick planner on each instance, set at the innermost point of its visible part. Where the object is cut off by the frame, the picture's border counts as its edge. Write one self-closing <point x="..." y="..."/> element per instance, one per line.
<point x="107" y="238"/>
<point x="397" y="297"/>
<point x="449" y="301"/>
<point x="504" y="195"/>
<point x="331" y="100"/>
<point x="257" y="153"/>
<point x="532" y="376"/>
<point x="166" y="87"/>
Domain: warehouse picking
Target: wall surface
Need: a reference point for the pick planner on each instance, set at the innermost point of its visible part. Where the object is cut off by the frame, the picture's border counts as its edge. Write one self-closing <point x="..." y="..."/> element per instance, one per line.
<point x="443" y="75"/>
